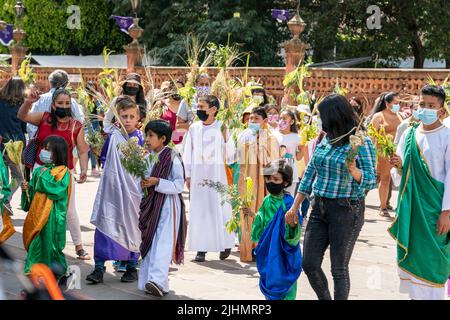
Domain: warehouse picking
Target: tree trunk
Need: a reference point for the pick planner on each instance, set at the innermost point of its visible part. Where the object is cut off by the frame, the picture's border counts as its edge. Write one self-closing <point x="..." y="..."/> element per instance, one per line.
<point x="447" y="63"/>
<point x="419" y="53"/>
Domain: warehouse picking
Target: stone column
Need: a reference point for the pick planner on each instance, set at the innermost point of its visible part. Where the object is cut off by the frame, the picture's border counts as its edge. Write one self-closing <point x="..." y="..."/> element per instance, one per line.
<point x="133" y="50"/>
<point x="18" y="51"/>
<point x="294" y="49"/>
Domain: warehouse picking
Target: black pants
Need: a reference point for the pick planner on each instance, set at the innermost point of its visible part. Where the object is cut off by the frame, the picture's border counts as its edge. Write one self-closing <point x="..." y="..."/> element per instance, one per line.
<point x="335" y="223"/>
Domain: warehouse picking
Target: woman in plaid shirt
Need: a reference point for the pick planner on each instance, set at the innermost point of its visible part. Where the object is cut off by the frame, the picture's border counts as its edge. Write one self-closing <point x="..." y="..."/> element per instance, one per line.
<point x="339" y="189"/>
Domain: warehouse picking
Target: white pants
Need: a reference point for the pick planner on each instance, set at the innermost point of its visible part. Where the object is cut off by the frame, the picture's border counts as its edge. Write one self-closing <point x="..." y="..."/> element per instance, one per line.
<point x="72" y="220"/>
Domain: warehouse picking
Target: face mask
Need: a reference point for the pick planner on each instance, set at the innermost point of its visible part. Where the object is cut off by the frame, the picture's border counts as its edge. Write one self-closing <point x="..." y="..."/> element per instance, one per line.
<point x="45" y="156"/>
<point x="203" y="91"/>
<point x="258" y="100"/>
<point x="255" y="127"/>
<point x="63" y="112"/>
<point x="273" y="118"/>
<point x="416" y="114"/>
<point x="274" y="188"/>
<point x="283" y="125"/>
<point x="131" y="91"/>
<point x="427" y="116"/>
<point x="395" y="108"/>
<point x="176" y="97"/>
<point x="201" y="114"/>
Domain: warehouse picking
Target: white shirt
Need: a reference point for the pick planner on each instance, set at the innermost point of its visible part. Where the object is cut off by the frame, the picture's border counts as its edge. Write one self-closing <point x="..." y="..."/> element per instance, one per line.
<point x="44" y="104"/>
<point x="435" y="146"/>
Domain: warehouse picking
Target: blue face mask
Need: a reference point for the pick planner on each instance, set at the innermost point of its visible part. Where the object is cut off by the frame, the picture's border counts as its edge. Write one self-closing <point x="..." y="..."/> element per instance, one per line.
<point x="255" y="127"/>
<point x="427" y="116"/>
<point x="45" y="156"/>
<point x="416" y="114"/>
<point x="395" y="108"/>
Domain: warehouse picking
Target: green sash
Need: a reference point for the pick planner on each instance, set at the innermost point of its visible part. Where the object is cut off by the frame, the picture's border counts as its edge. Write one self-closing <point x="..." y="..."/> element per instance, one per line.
<point x="421" y="252"/>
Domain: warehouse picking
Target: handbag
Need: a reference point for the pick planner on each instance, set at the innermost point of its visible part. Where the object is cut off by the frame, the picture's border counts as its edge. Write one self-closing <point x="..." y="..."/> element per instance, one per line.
<point x="30" y="152"/>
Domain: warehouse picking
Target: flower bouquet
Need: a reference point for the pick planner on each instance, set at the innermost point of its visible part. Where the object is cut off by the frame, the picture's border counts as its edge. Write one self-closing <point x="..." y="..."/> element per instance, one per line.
<point x="14" y="151"/>
<point x="384" y="142"/>
<point x="134" y="158"/>
<point x="230" y="194"/>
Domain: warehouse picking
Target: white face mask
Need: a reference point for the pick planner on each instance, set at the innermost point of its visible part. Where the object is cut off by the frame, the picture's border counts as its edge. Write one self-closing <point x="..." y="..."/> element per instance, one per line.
<point x="258" y="100"/>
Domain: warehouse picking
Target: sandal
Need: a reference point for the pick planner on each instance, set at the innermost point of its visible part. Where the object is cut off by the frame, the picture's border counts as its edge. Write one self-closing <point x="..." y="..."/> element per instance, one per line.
<point x="83" y="255"/>
<point x="385" y="213"/>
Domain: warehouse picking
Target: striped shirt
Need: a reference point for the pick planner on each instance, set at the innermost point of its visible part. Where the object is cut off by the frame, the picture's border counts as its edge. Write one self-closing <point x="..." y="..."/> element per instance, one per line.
<point x="44" y="105"/>
<point x="327" y="174"/>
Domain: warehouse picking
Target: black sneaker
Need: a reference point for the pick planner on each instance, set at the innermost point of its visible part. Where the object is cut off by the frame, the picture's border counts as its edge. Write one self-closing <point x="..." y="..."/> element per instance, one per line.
<point x="95" y="277"/>
<point x="225" y="254"/>
<point x="200" y="257"/>
<point x="129" y="276"/>
<point x="153" y="289"/>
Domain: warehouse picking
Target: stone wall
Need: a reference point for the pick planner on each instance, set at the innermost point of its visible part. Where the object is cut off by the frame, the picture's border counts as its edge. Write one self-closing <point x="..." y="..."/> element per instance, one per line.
<point x="363" y="83"/>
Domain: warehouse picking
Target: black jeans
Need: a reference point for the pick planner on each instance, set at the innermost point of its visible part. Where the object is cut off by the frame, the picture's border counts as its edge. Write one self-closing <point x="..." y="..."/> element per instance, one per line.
<point x="335" y="223"/>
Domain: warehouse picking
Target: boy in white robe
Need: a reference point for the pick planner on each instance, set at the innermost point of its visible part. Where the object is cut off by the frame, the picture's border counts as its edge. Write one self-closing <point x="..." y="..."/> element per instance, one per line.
<point x="422" y="225"/>
<point x="205" y="154"/>
<point x="162" y="219"/>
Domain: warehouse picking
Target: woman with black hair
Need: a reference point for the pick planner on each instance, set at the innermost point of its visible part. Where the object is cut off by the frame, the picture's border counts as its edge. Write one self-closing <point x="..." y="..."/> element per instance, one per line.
<point x="132" y="86"/>
<point x="339" y="189"/>
<point x="11" y="128"/>
<point x="60" y="122"/>
<point x="171" y="106"/>
<point x="386" y="114"/>
<point x="259" y="96"/>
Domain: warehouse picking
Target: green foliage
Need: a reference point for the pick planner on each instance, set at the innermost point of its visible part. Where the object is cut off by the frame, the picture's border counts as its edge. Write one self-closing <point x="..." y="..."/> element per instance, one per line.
<point x="45" y="22"/>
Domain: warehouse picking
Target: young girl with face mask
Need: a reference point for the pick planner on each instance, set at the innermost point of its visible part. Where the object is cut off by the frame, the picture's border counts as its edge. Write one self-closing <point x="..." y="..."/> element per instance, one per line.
<point x="47" y="195"/>
<point x="287" y="136"/>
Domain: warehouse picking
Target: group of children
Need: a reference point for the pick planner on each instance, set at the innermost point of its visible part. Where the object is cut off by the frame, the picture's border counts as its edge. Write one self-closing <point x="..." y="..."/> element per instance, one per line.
<point x="151" y="225"/>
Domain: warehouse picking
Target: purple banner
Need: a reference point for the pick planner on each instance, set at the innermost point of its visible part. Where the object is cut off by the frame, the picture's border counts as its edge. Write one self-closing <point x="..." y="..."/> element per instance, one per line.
<point x="280" y="15"/>
<point x="124" y="23"/>
<point x="6" y="35"/>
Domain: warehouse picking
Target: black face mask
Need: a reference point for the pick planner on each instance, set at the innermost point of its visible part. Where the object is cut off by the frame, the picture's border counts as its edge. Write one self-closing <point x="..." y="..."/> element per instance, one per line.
<point x="63" y="112"/>
<point x="130" y="91"/>
<point x="176" y="97"/>
<point x="274" y="188"/>
<point x="201" y="114"/>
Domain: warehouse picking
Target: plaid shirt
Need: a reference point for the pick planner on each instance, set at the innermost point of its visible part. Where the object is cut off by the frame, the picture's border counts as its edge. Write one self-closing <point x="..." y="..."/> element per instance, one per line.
<point x="327" y="174"/>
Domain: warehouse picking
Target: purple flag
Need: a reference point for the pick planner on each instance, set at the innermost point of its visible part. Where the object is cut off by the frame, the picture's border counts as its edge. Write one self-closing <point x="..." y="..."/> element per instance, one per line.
<point x="6" y="35"/>
<point x="124" y="23"/>
<point x="280" y="15"/>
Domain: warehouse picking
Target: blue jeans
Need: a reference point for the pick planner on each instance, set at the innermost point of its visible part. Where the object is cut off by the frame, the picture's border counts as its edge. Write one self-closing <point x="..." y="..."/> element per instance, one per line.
<point x="306" y="203"/>
<point x="100" y="265"/>
<point x="93" y="159"/>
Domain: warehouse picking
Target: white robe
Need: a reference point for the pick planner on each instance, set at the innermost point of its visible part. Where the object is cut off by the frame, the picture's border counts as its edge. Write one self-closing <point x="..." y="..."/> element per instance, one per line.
<point x="204" y="157"/>
<point x="435" y="146"/>
<point x="155" y="266"/>
<point x="117" y="203"/>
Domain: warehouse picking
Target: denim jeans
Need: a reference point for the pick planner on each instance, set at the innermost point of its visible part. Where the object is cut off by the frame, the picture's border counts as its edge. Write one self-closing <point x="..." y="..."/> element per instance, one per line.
<point x="93" y="159"/>
<point x="100" y="265"/>
<point x="335" y="223"/>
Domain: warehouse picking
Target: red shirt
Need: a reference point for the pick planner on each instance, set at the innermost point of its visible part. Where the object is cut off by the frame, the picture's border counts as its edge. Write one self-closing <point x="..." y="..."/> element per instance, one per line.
<point x="67" y="130"/>
<point x="171" y="117"/>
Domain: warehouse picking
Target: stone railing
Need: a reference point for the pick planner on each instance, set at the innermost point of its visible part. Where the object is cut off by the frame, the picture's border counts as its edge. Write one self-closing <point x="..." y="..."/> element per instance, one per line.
<point x="363" y="83"/>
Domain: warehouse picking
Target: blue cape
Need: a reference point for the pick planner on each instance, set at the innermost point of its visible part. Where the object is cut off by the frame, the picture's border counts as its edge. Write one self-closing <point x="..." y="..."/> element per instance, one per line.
<point x="279" y="264"/>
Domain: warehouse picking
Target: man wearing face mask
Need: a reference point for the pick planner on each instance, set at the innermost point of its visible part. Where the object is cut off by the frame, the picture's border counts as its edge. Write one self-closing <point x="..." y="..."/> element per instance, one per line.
<point x="57" y="79"/>
<point x="423" y="221"/>
<point x="257" y="147"/>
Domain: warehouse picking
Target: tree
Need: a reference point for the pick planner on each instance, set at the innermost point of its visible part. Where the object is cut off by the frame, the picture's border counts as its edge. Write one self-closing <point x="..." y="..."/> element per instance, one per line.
<point x="45" y="22"/>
